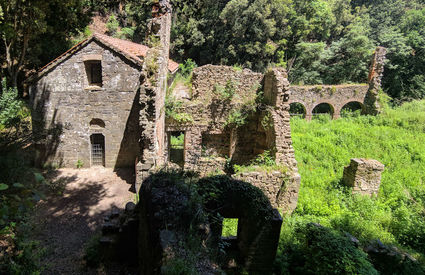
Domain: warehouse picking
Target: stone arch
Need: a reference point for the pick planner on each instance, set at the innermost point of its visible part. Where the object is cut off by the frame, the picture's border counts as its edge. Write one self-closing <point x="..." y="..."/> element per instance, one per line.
<point x="97" y="123"/>
<point x="352" y="106"/>
<point x="297" y="109"/>
<point x="323" y="108"/>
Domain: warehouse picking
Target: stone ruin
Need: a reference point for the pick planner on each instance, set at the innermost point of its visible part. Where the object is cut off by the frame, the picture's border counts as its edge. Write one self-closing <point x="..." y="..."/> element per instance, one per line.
<point x="364" y="176"/>
<point x="337" y="97"/>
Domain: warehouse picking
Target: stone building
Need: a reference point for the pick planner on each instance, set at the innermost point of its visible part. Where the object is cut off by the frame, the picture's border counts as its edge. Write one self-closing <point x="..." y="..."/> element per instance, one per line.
<point x="86" y="104"/>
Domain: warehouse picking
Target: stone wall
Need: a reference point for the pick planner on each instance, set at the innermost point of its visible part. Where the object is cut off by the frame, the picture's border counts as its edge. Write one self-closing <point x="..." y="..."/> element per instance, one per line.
<point x="207" y="77"/>
<point x="153" y="90"/>
<point x="281" y="188"/>
<point x="63" y="105"/>
<point x="364" y="176"/>
<point x="337" y="96"/>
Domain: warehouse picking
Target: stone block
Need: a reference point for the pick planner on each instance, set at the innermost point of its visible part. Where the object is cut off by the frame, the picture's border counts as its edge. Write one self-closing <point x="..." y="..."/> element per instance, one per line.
<point x="363" y="175"/>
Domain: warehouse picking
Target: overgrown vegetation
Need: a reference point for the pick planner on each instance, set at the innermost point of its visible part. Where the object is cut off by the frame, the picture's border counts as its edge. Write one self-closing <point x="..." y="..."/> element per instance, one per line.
<point x="323" y="147"/>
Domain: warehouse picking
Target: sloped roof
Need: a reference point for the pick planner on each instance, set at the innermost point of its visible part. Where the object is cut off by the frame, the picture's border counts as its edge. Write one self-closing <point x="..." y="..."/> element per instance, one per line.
<point x="132" y="51"/>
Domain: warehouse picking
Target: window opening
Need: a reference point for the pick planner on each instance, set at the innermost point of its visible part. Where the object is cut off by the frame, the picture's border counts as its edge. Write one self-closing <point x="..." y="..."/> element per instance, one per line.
<point x="97" y="150"/>
<point x="230" y="228"/>
<point x="177" y="140"/>
<point x="94" y="72"/>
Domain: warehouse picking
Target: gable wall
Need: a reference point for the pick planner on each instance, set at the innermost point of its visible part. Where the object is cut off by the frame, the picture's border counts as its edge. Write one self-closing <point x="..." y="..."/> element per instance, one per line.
<point x="63" y="108"/>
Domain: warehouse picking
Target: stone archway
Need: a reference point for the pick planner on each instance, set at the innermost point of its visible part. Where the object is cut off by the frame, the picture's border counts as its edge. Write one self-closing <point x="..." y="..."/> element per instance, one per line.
<point x="323" y="109"/>
<point x="351" y="107"/>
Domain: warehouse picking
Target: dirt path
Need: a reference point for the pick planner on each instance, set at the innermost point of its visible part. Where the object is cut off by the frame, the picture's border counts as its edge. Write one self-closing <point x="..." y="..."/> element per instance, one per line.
<point x="64" y="222"/>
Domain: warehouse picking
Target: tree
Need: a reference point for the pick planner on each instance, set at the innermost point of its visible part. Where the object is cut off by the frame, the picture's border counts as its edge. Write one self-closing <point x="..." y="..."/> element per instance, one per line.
<point x="30" y="24"/>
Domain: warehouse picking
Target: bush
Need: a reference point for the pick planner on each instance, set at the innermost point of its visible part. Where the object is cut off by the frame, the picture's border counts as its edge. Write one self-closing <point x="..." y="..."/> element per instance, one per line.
<point x="10" y="107"/>
<point x="321" y="250"/>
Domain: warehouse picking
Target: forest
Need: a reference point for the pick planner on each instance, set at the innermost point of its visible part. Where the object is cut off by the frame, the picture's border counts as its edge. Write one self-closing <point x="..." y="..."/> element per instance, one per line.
<point x="317" y="42"/>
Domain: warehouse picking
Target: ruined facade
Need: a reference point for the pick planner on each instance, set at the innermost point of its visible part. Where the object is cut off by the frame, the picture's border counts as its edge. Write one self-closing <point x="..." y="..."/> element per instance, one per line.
<point x="90" y="96"/>
<point x="214" y="138"/>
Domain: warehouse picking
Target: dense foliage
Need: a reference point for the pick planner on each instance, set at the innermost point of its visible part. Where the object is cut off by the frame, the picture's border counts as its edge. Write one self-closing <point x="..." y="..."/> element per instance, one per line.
<point x="323" y="147"/>
<point x="320" y="41"/>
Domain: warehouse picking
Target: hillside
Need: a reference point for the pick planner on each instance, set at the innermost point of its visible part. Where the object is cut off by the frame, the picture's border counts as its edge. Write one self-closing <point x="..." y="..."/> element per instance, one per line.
<point x="323" y="147"/>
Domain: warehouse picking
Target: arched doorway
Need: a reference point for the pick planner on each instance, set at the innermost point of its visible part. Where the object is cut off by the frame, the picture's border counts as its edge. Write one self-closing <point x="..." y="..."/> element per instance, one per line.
<point x="323" y="109"/>
<point x="297" y="109"/>
<point x="97" y="142"/>
<point x="352" y="108"/>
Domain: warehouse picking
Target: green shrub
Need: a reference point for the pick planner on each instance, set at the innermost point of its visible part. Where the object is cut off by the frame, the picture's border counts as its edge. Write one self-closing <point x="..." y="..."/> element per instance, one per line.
<point x="321" y="250"/>
<point x="186" y="68"/>
<point x="11" y="112"/>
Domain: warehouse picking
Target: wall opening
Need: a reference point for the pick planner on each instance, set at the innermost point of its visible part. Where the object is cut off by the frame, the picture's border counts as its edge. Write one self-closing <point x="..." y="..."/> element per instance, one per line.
<point x="176" y="145"/>
<point x="297" y="109"/>
<point x="230" y="228"/>
<point x="94" y="72"/>
<point x="97" y="142"/>
<point x="323" y="109"/>
<point x="353" y="108"/>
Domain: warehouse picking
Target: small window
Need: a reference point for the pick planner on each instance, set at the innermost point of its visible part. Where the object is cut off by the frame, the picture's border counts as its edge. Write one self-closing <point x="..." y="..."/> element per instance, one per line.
<point x="94" y="72"/>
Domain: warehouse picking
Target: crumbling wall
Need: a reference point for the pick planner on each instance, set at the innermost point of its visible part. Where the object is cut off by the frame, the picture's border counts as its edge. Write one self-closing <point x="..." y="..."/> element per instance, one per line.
<point x="375" y="76"/>
<point x="207" y="77"/>
<point x="153" y="89"/>
<point x="63" y="104"/>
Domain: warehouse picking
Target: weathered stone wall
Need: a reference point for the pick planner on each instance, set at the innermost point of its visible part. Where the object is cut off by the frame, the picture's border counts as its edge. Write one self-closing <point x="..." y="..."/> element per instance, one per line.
<point x="337" y="96"/>
<point x="281" y="188"/>
<point x="364" y="175"/>
<point x="64" y="104"/>
<point x="207" y="77"/>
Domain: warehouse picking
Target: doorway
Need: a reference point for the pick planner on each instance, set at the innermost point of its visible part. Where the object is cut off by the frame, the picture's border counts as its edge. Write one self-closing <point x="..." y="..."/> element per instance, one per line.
<point x="97" y="150"/>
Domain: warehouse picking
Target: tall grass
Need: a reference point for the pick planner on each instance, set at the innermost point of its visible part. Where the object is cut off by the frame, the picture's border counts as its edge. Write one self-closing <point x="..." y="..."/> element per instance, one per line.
<point x="323" y="147"/>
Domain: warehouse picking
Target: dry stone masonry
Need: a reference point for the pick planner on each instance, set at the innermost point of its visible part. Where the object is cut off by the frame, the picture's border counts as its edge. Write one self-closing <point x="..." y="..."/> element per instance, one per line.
<point x="364" y="175"/>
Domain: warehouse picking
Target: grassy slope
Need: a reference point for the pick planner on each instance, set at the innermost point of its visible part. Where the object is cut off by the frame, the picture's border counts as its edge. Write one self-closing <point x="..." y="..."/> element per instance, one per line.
<point x="395" y="138"/>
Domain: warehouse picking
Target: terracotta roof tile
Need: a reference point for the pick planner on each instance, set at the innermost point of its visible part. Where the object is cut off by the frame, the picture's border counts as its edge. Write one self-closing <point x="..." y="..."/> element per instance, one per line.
<point x="135" y="50"/>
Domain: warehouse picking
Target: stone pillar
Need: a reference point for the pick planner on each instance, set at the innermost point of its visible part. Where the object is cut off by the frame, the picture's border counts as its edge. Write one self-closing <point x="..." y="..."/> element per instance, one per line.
<point x="276" y="93"/>
<point x="364" y="175"/>
<point x="152" y="91"/>
<point x="193" y="148"/>
<point x="376" y="72"/>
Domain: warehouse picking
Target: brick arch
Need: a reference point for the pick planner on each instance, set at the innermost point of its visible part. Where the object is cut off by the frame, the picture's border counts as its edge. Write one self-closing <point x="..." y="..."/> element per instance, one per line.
<point x="344" y="103"/>
<point x="332" y="107"/>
